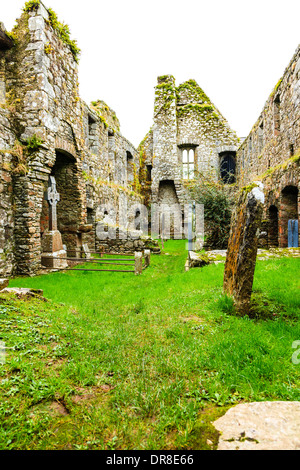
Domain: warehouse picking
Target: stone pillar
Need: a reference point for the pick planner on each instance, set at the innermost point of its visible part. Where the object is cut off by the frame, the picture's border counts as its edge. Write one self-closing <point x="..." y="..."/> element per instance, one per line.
<point x="242" y="247"/>
<point x="164" y="133"/>
<point x="138" y="257"/>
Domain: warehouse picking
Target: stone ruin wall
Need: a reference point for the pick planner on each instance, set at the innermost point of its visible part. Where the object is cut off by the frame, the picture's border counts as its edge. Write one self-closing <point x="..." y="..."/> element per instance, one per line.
<point x="39" y="81"/>
<point x="184" y="117"/>
<point x="7" y="140"/>
<point x="271" y="153"/>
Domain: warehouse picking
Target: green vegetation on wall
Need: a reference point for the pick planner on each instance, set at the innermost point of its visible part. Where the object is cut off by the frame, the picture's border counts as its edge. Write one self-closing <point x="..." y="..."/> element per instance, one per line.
<point x="61" y="29"/>
<point x="218" y="201"/>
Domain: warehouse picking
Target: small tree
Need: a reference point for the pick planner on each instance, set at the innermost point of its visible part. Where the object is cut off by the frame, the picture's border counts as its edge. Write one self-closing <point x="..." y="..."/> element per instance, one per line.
<point x="218" y="200"/>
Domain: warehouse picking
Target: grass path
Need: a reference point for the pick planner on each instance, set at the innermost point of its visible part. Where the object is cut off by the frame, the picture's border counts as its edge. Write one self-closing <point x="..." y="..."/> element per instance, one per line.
<point x="117" y="361"/>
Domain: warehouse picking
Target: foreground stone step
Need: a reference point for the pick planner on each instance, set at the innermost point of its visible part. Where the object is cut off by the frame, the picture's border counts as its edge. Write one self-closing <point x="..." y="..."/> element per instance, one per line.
<point x="260" y="426"/>
<point x="23" y="292"/>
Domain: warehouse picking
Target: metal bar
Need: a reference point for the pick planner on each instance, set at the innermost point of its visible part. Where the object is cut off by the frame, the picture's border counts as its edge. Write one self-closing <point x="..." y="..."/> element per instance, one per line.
<point x="83" y="260"/>
<point x="98" y="270"/>
<point x="111" y="260"/>
<point x="102" y="253"/>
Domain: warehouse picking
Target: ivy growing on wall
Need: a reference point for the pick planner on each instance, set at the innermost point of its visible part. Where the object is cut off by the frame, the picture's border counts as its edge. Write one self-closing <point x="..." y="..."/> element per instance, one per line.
<point x="61" y="29"/>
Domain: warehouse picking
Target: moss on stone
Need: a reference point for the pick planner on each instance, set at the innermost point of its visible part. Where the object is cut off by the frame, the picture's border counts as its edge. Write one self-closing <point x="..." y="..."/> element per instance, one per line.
<point x="31" y="5"/>
<point x="247" y="189"/>
<point x="106" y="115"/>
<point x="61" y="29"/>
<point x="276" y="88"/>
<point x="281" y="166"/>
<point x="166" y="95"/>
<point x="63" y="32"/>
<point x="194" y="90"/>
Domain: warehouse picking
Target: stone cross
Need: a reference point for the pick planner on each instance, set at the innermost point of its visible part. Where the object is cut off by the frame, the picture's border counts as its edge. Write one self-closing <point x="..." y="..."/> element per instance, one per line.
<point x="52" y="196"/>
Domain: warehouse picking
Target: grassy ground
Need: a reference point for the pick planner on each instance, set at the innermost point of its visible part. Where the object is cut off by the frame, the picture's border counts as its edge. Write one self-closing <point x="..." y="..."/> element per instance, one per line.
<point x="118" y="361"/>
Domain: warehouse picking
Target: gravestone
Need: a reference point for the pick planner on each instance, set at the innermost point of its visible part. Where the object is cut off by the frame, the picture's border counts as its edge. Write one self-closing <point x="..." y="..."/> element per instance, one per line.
<point x="138" y="263"/>
<point x="86" y="251"/>
<point x="53" y="255"/>
<point x="242" y="247"/>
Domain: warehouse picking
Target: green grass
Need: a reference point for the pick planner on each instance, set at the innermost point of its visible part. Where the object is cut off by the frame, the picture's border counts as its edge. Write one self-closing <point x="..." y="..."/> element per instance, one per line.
<point x="118" y="361"/>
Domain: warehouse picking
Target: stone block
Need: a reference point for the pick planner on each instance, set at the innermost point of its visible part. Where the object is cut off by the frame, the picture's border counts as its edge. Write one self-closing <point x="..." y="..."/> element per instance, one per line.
<point x="56" y="260"/>
<point x="52" y="241"/>
<point x="3" y="283"/>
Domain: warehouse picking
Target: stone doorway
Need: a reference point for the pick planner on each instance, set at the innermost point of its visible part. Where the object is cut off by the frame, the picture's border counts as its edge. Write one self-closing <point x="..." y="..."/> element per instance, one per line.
<point x="170" y="207"/>
<point x="65" y="173"/>
<point x="273" y="227"/>
<point x="288" y="211"/>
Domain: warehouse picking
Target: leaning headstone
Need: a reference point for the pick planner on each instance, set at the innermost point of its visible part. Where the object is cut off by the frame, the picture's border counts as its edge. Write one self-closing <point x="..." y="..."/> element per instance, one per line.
<point x="53" y="256"/>
<point x="138" y="263"/>
<point x="86" y="251"/>
<point x="242" y="246"/>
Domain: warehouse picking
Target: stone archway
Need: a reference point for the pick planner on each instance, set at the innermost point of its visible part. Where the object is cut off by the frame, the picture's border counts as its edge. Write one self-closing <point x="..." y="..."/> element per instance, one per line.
<point x="273" y="227"/>
<point x="169" y="206"/>
<point x="69" y="208"/>
<point x="288" y="211"/>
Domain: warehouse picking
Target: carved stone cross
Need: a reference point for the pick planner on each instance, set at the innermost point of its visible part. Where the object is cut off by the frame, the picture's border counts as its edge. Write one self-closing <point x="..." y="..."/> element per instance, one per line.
<point x="52" y="196"/>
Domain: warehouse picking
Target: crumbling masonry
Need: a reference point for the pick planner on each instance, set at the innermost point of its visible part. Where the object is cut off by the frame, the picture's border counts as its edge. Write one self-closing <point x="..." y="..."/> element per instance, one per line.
<point x="47" y="130"/>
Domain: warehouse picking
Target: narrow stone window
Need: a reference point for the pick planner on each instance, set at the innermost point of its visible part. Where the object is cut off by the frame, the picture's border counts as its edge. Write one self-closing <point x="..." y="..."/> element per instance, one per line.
<point x="90" y="216"/>
<point x="250" y="145"/>
<point x="130" y="168"/>
<point x="111" y="155"/>
<point x="292" y="151"/>
<point x="149" y="173"/>
<point x="137" y="220"/>
<point x="227" y="167"/>
<point x="188" y="164"/>
<point x="260" y="137"/>
<point x="92" y="126"/>
<point x="277" y="115"/>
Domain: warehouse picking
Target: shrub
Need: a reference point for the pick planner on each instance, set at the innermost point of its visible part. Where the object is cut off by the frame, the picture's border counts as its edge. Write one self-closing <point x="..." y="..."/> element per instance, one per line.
<point x="34" y="143"/>
<point x="218" y="201"/>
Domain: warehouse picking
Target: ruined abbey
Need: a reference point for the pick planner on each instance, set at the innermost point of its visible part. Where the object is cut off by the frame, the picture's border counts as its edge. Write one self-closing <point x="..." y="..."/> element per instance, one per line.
<point x="46" y="130"/>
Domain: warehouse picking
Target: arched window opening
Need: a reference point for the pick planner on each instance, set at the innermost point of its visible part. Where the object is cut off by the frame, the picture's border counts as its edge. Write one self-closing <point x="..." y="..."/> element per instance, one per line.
<point x="227" y="168"/>
<point x="188" y="163"/>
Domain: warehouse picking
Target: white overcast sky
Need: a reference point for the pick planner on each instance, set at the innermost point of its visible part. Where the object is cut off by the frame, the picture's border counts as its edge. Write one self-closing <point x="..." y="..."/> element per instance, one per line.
<point x="236" y="50"/>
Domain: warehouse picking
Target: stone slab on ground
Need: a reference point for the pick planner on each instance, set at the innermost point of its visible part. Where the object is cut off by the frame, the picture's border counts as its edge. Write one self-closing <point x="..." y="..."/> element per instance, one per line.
<point x="23" y="292"/>
<point x="3" y="283"/>
<point x="260" y="426"/>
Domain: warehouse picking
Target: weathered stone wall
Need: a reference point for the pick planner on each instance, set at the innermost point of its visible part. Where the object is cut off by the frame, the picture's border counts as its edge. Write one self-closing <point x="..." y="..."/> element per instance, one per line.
<point x="184" y="119"/>
<point x="271" y="154"/>
<point x="7" y="141"/>
<point x="59" y="135"/>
